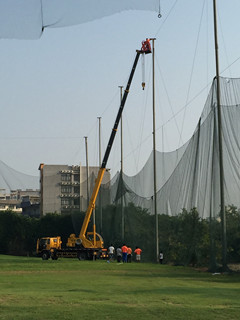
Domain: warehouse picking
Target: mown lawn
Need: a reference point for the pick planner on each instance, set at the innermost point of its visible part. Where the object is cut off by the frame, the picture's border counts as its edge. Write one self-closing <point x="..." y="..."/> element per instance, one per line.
<point x="70" y="289"/>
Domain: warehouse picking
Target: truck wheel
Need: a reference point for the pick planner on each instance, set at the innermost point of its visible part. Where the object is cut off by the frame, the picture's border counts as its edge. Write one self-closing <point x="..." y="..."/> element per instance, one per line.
<point x="82" y="256"/>
<point x="54" y="255"/>
<point x="45" y="256"/>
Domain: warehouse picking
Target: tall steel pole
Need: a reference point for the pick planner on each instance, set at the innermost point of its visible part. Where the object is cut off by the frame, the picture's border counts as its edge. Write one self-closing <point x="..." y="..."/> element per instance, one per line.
<point x="154" y="152"/>
<point x="100" y="161"/>
<point x="121" y="173"/>
<point x="223" y="215"/>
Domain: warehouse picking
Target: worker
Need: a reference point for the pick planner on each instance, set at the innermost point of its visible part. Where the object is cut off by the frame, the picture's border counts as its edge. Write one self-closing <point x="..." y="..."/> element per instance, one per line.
<point x="129" y="254"/>
<point x="161" y="257"/>
<point x="138" y="252"/>
<point x="111" y="251"/>
<point x="119" y="254"/>
<point x="146" y="46"/>
<point x="124" y="253"/>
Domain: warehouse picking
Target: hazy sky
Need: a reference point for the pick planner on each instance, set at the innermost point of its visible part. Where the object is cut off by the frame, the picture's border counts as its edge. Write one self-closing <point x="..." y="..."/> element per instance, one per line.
<point x="53" y="89"/>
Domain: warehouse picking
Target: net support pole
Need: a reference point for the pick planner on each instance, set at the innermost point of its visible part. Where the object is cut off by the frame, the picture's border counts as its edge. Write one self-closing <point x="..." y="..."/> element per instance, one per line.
<point x="154" y="152"/>
<point x="213" y="265"/>
<point x="221" y="173"/>
<point x="121" y="173"/>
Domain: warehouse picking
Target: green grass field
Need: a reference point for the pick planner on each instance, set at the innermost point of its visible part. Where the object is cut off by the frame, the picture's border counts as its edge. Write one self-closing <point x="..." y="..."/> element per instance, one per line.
<point x="70" y="289"/>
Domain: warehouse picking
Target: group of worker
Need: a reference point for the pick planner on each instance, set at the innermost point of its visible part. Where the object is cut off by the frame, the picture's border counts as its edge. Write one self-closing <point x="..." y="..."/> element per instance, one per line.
<point x="124" y="254"/>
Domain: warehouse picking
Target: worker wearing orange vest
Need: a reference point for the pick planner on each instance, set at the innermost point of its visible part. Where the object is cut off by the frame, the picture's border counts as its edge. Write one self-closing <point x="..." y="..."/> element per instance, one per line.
<point x="138" y="252"/>
<point x="146" y="46"/>
<point x="124" y="253"/>
<point x="129" y="254"/>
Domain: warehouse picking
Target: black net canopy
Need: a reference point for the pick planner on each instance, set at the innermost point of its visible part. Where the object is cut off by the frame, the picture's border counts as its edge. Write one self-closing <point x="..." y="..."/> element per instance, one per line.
<point x="189" y="177"/>
<point x="26" y="19"/>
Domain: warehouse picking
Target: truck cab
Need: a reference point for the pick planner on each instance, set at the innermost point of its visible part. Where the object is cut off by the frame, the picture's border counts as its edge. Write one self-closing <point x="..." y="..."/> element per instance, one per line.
<point x="46" y="246"/>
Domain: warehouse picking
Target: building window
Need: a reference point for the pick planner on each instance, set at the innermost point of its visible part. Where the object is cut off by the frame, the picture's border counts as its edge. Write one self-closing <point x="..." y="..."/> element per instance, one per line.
<point x="76" y="202"/>
<point x="66" y="202"/>
<point x="77" y="190"/>
<point x="77" y="177"/>
<point x="66" y="189"/>
<point x="66" y="177"/>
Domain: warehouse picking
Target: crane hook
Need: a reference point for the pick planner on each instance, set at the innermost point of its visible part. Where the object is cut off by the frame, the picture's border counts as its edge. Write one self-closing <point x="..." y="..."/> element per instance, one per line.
<point x="159" y="11"/>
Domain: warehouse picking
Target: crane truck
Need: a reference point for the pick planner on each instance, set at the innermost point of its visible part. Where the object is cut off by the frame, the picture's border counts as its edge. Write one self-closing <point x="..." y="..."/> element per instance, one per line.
<point x="89" y="244"/>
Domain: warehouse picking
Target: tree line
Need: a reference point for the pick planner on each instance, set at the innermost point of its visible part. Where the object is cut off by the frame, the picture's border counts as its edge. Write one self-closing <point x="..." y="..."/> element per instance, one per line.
<point x="185" y="239"/>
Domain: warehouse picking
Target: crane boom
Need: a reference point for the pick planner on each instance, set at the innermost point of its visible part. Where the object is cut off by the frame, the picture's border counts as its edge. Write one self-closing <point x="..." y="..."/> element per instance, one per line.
<point x="91" y="206"/>
<point x="88" y="239"/>
<point x="114" y="130"/>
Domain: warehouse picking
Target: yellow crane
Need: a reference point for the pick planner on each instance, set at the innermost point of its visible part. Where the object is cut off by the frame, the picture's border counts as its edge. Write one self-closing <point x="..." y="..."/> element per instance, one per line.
<point x="89" y="245"/>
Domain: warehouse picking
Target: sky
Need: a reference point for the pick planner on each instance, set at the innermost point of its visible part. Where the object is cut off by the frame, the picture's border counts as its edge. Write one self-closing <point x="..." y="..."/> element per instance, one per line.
<point x="53" y="89"/>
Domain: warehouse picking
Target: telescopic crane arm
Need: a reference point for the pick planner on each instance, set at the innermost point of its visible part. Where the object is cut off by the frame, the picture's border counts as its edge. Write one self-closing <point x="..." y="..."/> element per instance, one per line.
<point x="92" y="243"/>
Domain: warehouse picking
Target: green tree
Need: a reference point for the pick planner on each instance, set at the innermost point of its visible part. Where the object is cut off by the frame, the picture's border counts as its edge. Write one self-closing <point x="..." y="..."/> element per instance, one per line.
<point x="233" y="233"/>
<point x="190" y="239"/>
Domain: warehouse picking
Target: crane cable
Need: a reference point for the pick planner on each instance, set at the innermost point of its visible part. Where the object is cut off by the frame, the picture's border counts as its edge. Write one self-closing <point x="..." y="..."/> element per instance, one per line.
<point x="159" y="16"/>
<point x="159" y="10"/>
<point x="191" y="74"/>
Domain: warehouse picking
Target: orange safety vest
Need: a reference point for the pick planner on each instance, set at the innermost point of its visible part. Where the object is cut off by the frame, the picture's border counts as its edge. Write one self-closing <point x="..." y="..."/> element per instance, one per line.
<point x="138" y="251"/>
<point x="146" y="46"/>
<point x="124" y="249"/>
<point x="129" y="251"/>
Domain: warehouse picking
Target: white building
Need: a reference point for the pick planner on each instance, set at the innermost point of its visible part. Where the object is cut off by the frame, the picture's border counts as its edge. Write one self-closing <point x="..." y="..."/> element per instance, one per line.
<point x="63" y="188"/>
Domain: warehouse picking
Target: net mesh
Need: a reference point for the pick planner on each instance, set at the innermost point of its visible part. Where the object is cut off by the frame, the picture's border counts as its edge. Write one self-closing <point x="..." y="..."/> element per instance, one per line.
<point x="11" y="179"/>
<point x="26" y="19"/>
<point x="189" y="177"/>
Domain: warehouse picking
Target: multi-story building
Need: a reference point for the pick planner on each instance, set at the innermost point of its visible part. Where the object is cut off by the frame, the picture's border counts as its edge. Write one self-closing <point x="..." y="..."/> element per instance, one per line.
<point x="10" y="204"/>
<point x="13" y="200"/>
<point x="66" y="188"/>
